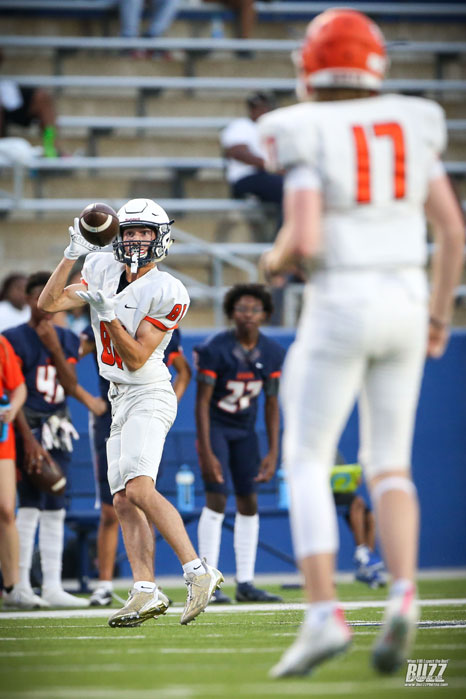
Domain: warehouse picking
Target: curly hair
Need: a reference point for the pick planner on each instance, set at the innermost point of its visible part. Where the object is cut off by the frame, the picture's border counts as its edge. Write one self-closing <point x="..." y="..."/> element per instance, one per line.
<point x="8" y="283"/>
<point x="37" y="279"/>
<point x="258" y="291"/>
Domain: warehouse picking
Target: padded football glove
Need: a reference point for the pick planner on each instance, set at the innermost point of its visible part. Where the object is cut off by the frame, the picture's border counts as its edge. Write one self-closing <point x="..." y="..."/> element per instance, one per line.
<point x="78" y="245"/>
<point x="104" y="307"/>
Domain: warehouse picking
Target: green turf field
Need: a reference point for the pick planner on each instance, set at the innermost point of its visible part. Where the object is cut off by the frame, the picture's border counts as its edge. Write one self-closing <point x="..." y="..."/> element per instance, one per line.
<point x="221" y="654"/>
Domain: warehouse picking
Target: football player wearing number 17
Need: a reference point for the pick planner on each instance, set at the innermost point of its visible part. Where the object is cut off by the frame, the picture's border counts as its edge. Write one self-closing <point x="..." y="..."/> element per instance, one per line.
<point x="134" y="309"/>
<point x="362" y="174"/>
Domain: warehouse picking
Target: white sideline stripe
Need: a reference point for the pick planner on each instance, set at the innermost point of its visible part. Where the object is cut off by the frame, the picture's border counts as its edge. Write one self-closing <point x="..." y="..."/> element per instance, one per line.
<point x="88" y="612"/>
<point x="372" y="687"/>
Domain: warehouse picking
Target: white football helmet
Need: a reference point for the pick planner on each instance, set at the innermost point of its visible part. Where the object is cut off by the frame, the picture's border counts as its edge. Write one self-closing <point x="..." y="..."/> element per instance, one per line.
<point x="143" y="213"/>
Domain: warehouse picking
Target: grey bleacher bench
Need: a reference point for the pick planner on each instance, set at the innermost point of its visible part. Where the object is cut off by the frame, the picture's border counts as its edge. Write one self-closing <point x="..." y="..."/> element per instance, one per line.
<point x="266" y="10"/>
<point x="175" y="206"/>
<point x="97" y="126"/>
<point x="176" y="169"/>
<point x="153" y="86"/>
<point x="193" y="48"/>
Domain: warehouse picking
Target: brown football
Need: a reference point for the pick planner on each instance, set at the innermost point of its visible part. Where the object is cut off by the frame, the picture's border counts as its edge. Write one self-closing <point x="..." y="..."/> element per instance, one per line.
<point x="51" y="479"/>
<point x="98" y="224"/>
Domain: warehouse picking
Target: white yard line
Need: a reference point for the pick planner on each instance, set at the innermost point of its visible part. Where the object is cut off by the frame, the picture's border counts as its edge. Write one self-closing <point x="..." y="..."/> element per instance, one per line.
<point x="218" y="609"/>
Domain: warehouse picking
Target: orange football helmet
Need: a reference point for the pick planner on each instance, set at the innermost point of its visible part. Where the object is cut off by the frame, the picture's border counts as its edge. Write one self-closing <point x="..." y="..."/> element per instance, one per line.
<point x="342" y="48"/>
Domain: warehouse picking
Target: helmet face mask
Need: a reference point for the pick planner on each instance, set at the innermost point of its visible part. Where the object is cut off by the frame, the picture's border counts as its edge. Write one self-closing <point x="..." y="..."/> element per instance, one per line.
<point x="143" y="214"/>
<point x="342" y="48"/>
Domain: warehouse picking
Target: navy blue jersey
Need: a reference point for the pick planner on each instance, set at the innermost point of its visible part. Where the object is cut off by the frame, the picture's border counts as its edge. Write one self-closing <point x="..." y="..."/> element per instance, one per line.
<point x="173" y="349"/>
<point x="46" y="395"/>
<point x="238" y="376"/>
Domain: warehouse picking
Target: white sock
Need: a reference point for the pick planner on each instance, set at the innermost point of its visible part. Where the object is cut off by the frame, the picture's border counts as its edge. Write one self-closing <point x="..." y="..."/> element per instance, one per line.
<point x="209" y="534"/>
<point x="245" y="538"/>
<point x="51" y="534"/>
<point x="400" y="587"/>
<point x="105" y="585"/>
<point x="195" y="567"/>
<point x="318" y="612"/>
<point x="362" y="554"/>
<point x="26" y="523"/>
<point x="144" y="586"/>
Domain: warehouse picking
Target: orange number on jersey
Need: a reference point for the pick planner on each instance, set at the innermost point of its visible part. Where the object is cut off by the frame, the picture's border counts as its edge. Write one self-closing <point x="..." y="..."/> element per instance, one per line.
<point x="393" y="131"/>
<point x="109" y="354"/>
<point x="177" y="310"/>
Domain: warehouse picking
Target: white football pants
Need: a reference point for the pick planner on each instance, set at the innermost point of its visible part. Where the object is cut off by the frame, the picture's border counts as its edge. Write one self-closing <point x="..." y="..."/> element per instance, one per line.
<point x="361" y="336"/>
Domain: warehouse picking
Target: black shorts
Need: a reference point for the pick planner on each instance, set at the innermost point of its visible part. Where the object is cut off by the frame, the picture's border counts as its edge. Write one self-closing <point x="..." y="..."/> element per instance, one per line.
<point x="99" y="433"/>
<point x="21" y="116"/>
<point x="238" y="452"/>
<point x="343" y="502"/>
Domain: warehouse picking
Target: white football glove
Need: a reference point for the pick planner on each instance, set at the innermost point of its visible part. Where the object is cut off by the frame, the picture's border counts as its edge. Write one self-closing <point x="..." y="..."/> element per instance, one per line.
<point x="78" y="245"/>
<point x="105" y="307"/>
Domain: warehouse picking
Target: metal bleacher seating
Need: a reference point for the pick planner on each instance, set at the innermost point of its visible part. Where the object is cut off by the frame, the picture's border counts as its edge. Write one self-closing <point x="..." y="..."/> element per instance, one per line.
<point x="152" y="126"/>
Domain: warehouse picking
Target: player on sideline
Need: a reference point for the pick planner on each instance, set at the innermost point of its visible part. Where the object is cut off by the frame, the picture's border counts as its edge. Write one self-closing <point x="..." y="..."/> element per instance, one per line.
<point x="362" y="171"/>
<point x="99" y="431"/>
<point x="234" y="366"/>
<point x="134" y="308"/>
<point x="47" y="354"/>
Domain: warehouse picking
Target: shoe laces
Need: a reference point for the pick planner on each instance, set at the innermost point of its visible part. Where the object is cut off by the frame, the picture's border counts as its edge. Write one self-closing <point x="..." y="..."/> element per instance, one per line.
<point x="189" y="582"/>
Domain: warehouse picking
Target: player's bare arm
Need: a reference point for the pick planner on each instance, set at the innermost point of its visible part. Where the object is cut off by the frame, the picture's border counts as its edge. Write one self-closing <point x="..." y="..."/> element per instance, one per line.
<point x="210" y="465"/>
<point x="183" y="375"/>
<point x="272" y="425"/>
<point x="135" y="351"/>
<point x="65" y="371"/>
<point x="56" y="296"/>
<point x="34" y="453"/>
<point x="445" y="216"/>
<point x="300" y="236"/>
<point x="17" y="398"/>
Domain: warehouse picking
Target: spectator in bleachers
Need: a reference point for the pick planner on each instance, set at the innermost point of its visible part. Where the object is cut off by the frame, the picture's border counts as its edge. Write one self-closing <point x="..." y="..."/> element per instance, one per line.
<point x="13" y="307"/>
<point x="245" y="165"/>
<point x="24" y="106"/>
<point x="245" y="18"/>
<point x="161" y="15"/>
<point x="47" y="354"/>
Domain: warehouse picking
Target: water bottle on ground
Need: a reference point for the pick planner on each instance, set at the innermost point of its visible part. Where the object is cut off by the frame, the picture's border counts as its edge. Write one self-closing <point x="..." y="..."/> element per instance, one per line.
<point x="283" y="499"/>
<point x="185" y="489"/>
<point x="4" y="426"/>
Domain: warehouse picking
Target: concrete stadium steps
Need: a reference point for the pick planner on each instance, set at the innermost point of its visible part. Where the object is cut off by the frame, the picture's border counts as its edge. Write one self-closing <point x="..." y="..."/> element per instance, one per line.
<point x="215" y="64"/>
<point x="93" y="188"/>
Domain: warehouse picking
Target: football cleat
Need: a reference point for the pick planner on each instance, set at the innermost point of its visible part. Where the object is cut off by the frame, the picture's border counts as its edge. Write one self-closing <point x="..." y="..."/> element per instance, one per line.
<point x="200" y="591"/>
<point x="246" y="592"/>
<point x="101" y="597"/>
<point x="397" y="636"/>
<point x="140" y="606"/>
<point x="313" y="646"/>
<point x="23" y="598"/>
<point x="57" y="597"/>
<point x="219" y="597"/>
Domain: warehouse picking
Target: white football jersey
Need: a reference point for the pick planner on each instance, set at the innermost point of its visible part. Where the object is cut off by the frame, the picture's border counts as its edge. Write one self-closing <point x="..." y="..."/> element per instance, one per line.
<point x="156" y="297"/>
<point x="372" y="159"/>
